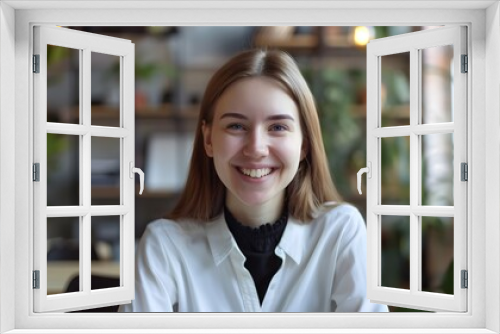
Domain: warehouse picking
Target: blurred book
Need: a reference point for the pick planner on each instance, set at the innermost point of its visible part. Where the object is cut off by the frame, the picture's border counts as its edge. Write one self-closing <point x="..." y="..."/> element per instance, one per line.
<point x="167" y="161"/>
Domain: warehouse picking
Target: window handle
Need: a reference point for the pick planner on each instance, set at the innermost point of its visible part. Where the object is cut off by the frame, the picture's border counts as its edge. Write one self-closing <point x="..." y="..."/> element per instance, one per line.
<point x="368" y="171"/>
<point x="141" y="175"/>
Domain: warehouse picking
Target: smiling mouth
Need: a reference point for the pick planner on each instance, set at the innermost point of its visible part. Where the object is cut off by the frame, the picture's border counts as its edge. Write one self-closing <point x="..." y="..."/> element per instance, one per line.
<point x="256" y="173"/>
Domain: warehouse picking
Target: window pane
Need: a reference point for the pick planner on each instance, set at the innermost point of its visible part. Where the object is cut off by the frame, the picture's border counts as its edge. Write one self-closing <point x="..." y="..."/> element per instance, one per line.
<point x="437" y="169"/>
<point x="395" y="89"/>
<point x="437" y="84"/>
<point x="63" y="170"/>
<point x="63" y="84"/>
<point x="105" y="168"/>
<point x="395" y="171"/>
<point x="106" y="245"/>
<point x="63" y="254"/>
<point x="105" y="78"/>
<point x="437" y="254"/>
<point x="395" y="233"/>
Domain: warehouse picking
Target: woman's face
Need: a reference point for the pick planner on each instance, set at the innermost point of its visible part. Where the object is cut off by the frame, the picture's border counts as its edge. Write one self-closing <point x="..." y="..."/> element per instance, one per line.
<point x="255" y="141"/>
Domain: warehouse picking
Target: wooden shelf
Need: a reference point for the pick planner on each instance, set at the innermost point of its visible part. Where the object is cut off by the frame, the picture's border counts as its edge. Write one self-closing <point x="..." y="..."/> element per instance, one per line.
<point x="295" y="42"/>
<point x="165" y="111"/>
<point x="105" y="192"/>
<point x="306" y="42"/>
<point x="396" y="112"/>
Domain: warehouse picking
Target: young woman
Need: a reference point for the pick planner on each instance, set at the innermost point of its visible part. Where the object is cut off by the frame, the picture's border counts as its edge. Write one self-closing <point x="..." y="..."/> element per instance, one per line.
<point x="259" y="226"/>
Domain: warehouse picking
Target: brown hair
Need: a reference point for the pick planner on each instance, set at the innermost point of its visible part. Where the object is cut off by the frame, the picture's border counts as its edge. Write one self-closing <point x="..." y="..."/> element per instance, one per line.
<point x="204" y="194"/>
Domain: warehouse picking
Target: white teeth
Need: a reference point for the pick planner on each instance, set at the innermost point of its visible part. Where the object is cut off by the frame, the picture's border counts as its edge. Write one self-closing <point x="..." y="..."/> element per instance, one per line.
<point x="256" y="173"/>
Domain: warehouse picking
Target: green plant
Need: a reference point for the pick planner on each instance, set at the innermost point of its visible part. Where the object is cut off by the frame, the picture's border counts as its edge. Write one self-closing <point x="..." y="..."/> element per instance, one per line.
<point x="56" y="58"/>
<point x="335" y="93"/>
<point x="145" y="71"/>
<point x="56" y="144"/>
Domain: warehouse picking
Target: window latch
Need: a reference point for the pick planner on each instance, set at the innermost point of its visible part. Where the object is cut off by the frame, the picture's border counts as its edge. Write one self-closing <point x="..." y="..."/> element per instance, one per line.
<point x="368" y="171"/>
<point x="133" y="170"/>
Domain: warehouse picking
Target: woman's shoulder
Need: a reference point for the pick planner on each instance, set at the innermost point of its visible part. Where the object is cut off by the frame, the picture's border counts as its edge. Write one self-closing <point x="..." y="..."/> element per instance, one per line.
<point x="333" y="215"/>
<point x="338" y="210"/>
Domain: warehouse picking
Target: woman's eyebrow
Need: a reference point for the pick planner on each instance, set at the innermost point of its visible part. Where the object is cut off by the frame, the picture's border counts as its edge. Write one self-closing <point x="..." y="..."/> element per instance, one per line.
<point x="234" y="115"/>
<point x="270" y="118"/>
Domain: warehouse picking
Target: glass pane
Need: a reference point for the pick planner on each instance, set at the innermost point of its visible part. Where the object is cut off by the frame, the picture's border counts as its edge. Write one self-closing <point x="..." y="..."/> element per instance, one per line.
<point x="437" y="169"/>
<point x="63" y="84"/>
<point x="437" y="254"/>
<point x="395" y="171"/>
<point x="105" y="78"/>
<point x="63" y="170"/>
<point x="63" y="254"/>
<point x="105" y="168"/>
<point x="437" y="84"/>
<point x="106" y="252"/>
<point x="395" y="233"/>
<point x="395" y="89"/>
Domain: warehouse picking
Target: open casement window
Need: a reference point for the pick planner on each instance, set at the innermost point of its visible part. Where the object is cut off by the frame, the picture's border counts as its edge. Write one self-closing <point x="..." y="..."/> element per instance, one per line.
<point x="71" y="139"/>
<point x="416" y="151"/>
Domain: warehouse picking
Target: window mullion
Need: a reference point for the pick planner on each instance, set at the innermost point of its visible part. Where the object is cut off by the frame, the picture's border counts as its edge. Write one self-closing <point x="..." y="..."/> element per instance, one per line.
<point x="414" y="170"/>
<point x="85" y="167"/>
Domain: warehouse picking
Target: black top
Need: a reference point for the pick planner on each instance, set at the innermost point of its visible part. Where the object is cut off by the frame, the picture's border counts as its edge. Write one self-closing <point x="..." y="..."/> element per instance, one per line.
<point x="258" y="245"/>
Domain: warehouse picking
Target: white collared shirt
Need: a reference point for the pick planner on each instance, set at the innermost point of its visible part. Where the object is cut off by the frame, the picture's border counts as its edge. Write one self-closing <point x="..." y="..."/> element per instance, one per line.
<point x="198" y="267"/>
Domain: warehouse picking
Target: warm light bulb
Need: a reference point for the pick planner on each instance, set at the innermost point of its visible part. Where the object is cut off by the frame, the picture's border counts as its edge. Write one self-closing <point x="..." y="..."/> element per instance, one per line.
<point x="361" y="36"/>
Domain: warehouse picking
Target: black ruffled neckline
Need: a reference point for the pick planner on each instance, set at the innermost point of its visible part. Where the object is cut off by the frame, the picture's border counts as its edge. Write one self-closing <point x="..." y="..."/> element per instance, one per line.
<point x="262" y="239"/>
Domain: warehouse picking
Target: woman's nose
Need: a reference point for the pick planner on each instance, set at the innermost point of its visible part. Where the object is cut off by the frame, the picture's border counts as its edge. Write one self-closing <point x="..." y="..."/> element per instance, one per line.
<point x="256" y="145"/>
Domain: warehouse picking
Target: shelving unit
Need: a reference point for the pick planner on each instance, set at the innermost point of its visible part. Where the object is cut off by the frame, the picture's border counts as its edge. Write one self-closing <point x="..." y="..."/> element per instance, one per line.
<point x="165" y="111"/>
<point x="320" y="48"/>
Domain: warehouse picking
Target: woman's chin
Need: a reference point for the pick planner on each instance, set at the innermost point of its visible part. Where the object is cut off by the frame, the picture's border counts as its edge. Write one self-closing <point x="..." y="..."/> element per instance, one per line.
<point x="258" y="200"/>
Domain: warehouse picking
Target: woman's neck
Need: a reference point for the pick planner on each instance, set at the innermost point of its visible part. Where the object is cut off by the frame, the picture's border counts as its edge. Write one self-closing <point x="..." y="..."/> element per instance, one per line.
<point x="256" y="216"/>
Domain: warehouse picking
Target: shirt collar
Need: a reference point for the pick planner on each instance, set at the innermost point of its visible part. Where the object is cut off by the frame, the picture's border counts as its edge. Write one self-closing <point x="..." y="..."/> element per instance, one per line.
<point x="221" y="240"/>
<point x="292" y="241"/>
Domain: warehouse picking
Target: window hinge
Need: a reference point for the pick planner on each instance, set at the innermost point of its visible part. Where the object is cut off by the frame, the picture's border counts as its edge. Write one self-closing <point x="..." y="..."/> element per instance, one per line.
<point x="465" y="279"/>
<point x="36" y="279"/>
<point x="36" y="63"/>
<point x="464" y="172"/>
<point x="465" y="64"/>
<point x="36" y="172"/>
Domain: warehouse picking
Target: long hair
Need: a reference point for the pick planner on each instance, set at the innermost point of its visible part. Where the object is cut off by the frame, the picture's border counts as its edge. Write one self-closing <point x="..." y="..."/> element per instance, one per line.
<point x="204" y="193"/>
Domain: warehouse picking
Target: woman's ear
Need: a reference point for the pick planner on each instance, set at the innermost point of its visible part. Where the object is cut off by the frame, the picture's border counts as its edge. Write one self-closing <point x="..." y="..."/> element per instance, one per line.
<point x="207" y="138"/>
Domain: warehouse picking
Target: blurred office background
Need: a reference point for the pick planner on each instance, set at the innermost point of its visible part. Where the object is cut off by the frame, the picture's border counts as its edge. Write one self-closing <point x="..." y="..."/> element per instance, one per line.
<point x="173" y="66"/>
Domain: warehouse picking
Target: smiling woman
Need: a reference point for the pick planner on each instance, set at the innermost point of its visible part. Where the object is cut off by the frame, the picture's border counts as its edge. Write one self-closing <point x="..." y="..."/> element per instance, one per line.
<point x="259" y="226"/>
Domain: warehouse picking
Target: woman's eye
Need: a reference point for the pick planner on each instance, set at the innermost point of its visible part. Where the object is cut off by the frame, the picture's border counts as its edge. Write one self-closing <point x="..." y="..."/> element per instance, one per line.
<point x="278" y="127"/>
<point x="235" y="126"/>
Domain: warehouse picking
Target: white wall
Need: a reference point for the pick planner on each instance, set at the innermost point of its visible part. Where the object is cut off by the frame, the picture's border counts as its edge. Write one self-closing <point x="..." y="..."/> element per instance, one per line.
<point x="7" y="162"/>
<point x="492" y="163"/>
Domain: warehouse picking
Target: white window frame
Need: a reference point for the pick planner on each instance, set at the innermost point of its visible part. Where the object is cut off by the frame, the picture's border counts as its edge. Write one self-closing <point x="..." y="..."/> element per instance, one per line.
<point x="86" y="44"/>
<point x="483" y="21"/>
<point x="413" y="44"/>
